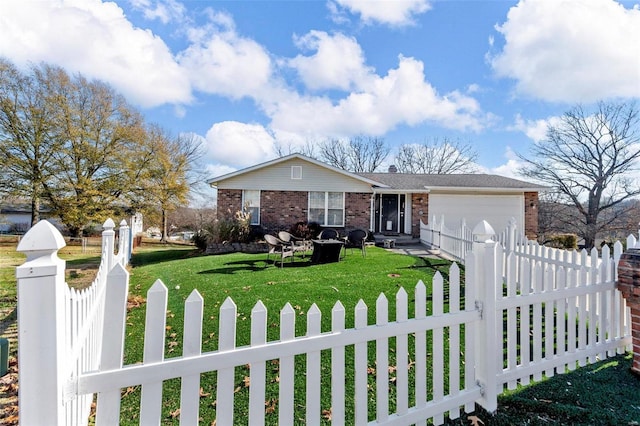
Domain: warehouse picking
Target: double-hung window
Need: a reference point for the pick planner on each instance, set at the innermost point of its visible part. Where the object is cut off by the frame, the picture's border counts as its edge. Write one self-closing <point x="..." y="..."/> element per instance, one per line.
<point x="251" y="205"/>
<point x="326" y="208"/>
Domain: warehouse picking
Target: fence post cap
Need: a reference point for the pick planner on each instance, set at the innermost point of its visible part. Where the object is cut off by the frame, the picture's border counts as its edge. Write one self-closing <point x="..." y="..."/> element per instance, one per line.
<point x="483" y="232"/>
<point x="123" y="222"/>
<point x="109" y="224"/>
<point x="43" y="236"/>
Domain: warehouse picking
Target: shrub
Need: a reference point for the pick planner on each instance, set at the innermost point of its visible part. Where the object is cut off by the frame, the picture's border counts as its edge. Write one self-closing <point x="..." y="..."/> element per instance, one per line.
<point x="563" y="241"/>
<point x="201" y="239"/>
<point x="306" y="230"/>
<point x="235" y="230"/>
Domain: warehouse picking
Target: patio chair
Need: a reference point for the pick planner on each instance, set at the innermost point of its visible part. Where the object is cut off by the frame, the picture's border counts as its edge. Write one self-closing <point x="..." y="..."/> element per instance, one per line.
<point x="297" y="244"/>
<point x="328" y="234"/>
<point x="356" y="239"/>
<point x="279" y="248"/>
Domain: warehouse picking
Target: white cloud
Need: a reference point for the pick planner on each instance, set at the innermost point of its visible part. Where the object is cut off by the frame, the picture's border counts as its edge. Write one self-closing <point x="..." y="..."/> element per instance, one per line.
<point x="401" y="97"/>
<point x="571" y="51"/>
<point x="97" y="40"/>
<point x="511" y="167"/>
<point x="239" y="144"/>
<point x="163" y="10"/>
<point x="394" y="13"/>
<point x="338" y="63"/>
<point x="535" y="130"/>
<point x="219" y="61"/>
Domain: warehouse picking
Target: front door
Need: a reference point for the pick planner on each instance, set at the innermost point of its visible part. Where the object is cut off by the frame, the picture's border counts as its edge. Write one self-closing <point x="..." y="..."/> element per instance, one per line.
<point x="389" y="214"/>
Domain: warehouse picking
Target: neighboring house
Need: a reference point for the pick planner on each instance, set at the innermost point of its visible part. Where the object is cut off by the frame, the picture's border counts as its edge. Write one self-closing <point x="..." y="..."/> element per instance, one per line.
<point x="16" y="217"/>
<point x="296" y="188"/>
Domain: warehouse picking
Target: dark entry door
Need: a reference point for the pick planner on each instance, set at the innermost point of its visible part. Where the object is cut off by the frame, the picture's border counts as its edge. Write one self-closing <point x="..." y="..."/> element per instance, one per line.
<point x="389" y="215"/>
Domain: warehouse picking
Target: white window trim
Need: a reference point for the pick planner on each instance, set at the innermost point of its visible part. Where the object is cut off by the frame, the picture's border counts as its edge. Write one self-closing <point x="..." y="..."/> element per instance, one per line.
<point x="257" y="222"/>
<point x="326" y="208"/>
<point x="296" y="172"/>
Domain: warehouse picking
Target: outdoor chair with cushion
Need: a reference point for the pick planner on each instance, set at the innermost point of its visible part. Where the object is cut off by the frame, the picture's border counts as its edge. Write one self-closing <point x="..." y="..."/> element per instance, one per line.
<point x="297" y="244"/>
<point x="328" y="234"/>
<point x="356" y="239"/>
<point x="278" y="247"/>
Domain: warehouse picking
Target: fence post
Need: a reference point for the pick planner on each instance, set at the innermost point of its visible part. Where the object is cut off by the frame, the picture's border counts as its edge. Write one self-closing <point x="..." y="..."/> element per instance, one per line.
<point x="123" y="242"/>
<point x="108" y="238"/>
<point x="41" y="326"/>
<point x="510" y="242"/>
<point x="488" y="348"/>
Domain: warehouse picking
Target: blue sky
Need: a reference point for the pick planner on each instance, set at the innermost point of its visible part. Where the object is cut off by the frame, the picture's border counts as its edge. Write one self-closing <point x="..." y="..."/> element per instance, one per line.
<point x="249" y="76"/>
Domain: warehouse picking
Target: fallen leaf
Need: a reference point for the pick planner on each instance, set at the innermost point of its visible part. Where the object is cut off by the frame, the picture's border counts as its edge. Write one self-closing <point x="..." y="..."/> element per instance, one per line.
<point x="475" y="421"/>
<point x="246" y="381"/>
<point x="326" y="414"/>
<point x="175" y="413"/>
<point x="202" y="394"/>
<point x="270" y="406"/>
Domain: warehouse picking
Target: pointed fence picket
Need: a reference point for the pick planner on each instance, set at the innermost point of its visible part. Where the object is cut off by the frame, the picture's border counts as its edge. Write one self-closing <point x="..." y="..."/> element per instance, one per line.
<point x="527" y="313"/>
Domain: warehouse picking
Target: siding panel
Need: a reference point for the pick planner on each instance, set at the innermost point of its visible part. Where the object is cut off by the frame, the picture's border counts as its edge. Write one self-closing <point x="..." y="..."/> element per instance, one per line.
<point x="278" y="178"/>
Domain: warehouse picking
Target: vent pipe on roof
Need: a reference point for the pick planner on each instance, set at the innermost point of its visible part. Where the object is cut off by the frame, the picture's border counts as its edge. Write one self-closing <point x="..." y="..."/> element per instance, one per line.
<point x="393" y="169"/>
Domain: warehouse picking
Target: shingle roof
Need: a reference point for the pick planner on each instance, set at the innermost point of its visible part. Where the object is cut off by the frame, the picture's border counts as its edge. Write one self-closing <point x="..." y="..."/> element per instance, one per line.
<point x="405" y="181"/>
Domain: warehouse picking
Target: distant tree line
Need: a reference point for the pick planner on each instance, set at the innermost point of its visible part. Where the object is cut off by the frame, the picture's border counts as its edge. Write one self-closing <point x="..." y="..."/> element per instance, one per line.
<point x="366" y="154"/>
<point x="77" y="146"/>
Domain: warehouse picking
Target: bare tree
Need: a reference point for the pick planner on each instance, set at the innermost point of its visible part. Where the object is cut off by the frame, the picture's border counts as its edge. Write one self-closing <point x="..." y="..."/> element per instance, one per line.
<point x="359" y="155"/>
<point x="587" y="158"/>
<point x="437" y="157"/>
<point x="308" y="149"/>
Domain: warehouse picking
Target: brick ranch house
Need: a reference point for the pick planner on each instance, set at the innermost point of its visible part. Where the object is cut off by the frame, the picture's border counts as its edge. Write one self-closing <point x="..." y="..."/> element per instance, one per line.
<point x="296" y="188"/>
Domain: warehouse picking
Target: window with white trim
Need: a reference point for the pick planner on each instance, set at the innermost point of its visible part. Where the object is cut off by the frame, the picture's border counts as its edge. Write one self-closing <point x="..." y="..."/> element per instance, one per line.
<point x="326" y="208"/>
<point x="251" y="204"/>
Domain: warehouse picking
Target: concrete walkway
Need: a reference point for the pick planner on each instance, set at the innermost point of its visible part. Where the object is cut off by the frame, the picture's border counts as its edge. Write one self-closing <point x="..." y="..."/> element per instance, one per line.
<point x="419" y="250"/>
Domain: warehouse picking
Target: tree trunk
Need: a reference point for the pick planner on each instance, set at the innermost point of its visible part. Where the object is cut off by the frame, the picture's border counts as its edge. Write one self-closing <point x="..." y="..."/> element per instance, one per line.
<point x="164" y="238"/>
<point x="35" y="208"/>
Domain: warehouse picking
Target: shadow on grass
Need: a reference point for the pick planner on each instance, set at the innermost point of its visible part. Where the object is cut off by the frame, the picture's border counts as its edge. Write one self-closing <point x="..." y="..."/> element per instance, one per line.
<point x="604" y="393"/>
<point x="159" y="256"/>
<point x="254" y="265"/>
<point x="435" y="265"/>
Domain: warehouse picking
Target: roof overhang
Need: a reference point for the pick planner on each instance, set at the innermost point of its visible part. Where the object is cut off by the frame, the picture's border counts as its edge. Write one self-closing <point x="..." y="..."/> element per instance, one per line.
<point x="481" y="189"/>
<point x="388" y="190"/>
<point x="214" y="182"/>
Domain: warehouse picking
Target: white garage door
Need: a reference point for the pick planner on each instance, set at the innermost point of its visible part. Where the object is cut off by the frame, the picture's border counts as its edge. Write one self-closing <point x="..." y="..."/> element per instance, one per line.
<point x="495" y="209"/>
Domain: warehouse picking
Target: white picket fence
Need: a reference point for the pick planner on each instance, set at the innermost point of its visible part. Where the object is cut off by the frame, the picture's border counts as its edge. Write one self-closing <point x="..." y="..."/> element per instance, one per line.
<point x="60" y="329"/>
<point x="457" y="242"/>
<point x="514" y="320"/>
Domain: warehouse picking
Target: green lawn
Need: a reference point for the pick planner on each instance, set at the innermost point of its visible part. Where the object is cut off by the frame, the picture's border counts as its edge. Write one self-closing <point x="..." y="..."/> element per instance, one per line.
<point x="247" y="278"/>
<point x="605" y="393"/>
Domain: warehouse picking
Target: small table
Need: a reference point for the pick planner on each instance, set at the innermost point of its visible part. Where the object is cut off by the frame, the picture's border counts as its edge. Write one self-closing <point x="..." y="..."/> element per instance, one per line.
<point x="325" y="251"/>
<point x="389" y="243"/>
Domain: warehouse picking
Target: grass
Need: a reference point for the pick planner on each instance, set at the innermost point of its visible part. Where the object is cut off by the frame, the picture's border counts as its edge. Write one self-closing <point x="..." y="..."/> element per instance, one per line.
<point x="605" y="393"/>
<point x="248" y="278"/>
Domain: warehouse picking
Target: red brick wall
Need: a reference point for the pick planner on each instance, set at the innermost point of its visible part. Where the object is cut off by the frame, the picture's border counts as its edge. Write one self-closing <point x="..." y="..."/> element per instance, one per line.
<point x="357" y="210"/>
<point x="229" y="202"/>
<point x="419" y="210"/>
<point x="531" y="215"/>
<point x="281" y="209"/>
